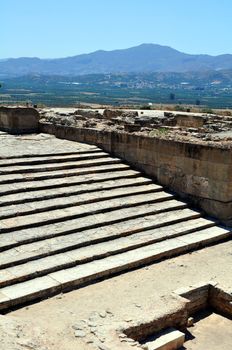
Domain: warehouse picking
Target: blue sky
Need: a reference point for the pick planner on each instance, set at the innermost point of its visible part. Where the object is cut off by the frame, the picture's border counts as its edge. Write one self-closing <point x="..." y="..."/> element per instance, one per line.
<point x="60" y="28"/>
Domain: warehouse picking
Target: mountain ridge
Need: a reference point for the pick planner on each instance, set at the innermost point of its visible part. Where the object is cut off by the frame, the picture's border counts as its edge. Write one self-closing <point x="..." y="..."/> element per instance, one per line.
<point x="142" y="58"/>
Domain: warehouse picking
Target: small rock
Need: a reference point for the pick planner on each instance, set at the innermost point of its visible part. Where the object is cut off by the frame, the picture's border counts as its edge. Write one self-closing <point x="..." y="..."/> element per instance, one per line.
<point x="89" y="341"/>
<point x="102" y="339"/>
<point x="123" y="340"/>
<point x="102" y="314"/>
<point x="59" y="296"/>
<point x="80" y="334"/>
<point x="93" y="330"/>
<point x="129" y="340"/>
<point x="103" y="347"/>
<point x="190" y="322"/>
<point x="122" y="335"/>
<point x="92" y="324"/>
<point x="79" y="326"/>
<point x="138" y="305"/>
<point x="145" y="347"/>
<point x="109" y="312"/>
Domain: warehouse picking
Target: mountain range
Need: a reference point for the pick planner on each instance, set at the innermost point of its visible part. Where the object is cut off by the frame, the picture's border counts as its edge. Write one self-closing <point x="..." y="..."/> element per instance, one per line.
<point x="143" y="58"/>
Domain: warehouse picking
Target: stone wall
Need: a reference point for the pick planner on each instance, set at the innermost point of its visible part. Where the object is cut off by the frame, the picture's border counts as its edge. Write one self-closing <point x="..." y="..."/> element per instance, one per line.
<point x="221" y="301"/>
<point x="174" y="318"/>
<point x="19" y="120"/>
<point x="189" y="121"/>
<point x="200" y="173"/>
<point x="196" y="296"/>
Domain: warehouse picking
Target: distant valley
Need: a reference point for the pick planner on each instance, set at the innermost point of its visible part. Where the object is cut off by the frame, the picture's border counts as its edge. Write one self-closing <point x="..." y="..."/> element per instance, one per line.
<point x="211" y="89"/>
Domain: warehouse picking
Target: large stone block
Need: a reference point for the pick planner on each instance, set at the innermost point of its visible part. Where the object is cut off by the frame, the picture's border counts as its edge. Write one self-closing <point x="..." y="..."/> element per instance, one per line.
<point x="19" y="120"/>
<point x="189" y="121"/>
<point x="170" y="339"/>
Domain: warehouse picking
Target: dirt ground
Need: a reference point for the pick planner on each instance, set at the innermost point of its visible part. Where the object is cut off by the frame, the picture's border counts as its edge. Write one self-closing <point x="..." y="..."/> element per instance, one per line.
<point x="211" y="332"/>
<point x="51" y="324"/>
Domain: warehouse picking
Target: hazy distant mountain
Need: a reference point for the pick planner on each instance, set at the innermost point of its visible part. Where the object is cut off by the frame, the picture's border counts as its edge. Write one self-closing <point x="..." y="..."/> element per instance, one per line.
<point x="143" y="58"/>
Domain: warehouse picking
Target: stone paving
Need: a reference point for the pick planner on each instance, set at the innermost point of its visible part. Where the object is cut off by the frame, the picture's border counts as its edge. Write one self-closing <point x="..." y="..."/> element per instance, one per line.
<point x="71" y="214"/>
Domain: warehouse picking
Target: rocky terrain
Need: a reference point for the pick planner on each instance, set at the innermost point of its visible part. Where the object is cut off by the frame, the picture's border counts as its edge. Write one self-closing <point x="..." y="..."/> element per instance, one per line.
<point x="186" y="127"/>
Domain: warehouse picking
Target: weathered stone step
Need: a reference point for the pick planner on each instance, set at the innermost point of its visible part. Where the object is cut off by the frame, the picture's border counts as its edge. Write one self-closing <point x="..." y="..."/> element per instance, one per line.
<point x="103" y="160"/>
<point x="13" y="178"/>
<point x="58" y="192"/>
<point x="33" y="266"/>
<point x="43" y="206"/>
<point x="75" y="277"/>
<point x="59" y="244"/>
<point x="47" y="160"/>
<point x="57" y="215"/>
<point x="52" y="158"/>
<point x="67" y="181"/>
<point x="55" y="154"/>
<point x="72" y="241"/>
<point x="89" y="221"/>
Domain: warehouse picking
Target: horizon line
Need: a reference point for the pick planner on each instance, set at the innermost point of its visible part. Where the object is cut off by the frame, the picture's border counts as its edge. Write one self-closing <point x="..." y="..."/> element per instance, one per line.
<point x="103" y="50"/>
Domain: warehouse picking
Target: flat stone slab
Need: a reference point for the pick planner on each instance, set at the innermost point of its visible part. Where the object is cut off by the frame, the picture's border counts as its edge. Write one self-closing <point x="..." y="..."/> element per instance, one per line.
<point x="170" y="339"/>
<point x="145" y="226"/>
<point x="76" y="210"/>
<point x="91" y="220"/>
<point x="66" y="181"/>
<point x="14" y="178"/>
<point x="37" y="145"/>
<point x="67" y="258"/>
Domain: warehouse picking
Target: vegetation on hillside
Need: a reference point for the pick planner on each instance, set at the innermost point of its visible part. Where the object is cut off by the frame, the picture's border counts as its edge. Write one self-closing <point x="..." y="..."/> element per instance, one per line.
<point x="212" y="89"/>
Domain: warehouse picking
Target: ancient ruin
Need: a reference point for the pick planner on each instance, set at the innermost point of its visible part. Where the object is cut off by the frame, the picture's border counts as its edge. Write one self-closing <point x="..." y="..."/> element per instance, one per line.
<point x="88" y="195"/>
<point x="190" y="154"/>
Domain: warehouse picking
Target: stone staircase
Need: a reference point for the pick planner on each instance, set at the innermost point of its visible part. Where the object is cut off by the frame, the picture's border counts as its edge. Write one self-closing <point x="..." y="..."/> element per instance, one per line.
<point x="68" y="219"/>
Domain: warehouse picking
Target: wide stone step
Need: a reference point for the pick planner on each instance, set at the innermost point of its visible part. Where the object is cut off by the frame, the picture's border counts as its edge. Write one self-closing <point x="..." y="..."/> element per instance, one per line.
<point x="14" y="178"/>
<point x="52" y="158"/>
<point x="89" y="221"/>
<point x="79" y="275"/>
<point x="29" y="268"/>
<point x="103" y="160"/>
<point x="66" y="181"/>
<point x="88" y="149"/>
<point x="57" y="192"/>
<point x="75" y="211"/>
<point x="51" y="246"/>
<point x="44" y="205"/>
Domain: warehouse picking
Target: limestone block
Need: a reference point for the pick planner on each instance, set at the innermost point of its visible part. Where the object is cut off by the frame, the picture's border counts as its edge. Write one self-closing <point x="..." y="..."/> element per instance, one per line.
<point x="171" y="339"/>
<point x="18" y="120"/>
<point x="188" y="121"/>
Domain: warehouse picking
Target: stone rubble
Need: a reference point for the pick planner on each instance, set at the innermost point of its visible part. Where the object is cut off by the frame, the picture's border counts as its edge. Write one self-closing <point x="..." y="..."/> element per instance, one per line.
<point x="167" y="125"/>
<point x="101" y="337"/>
